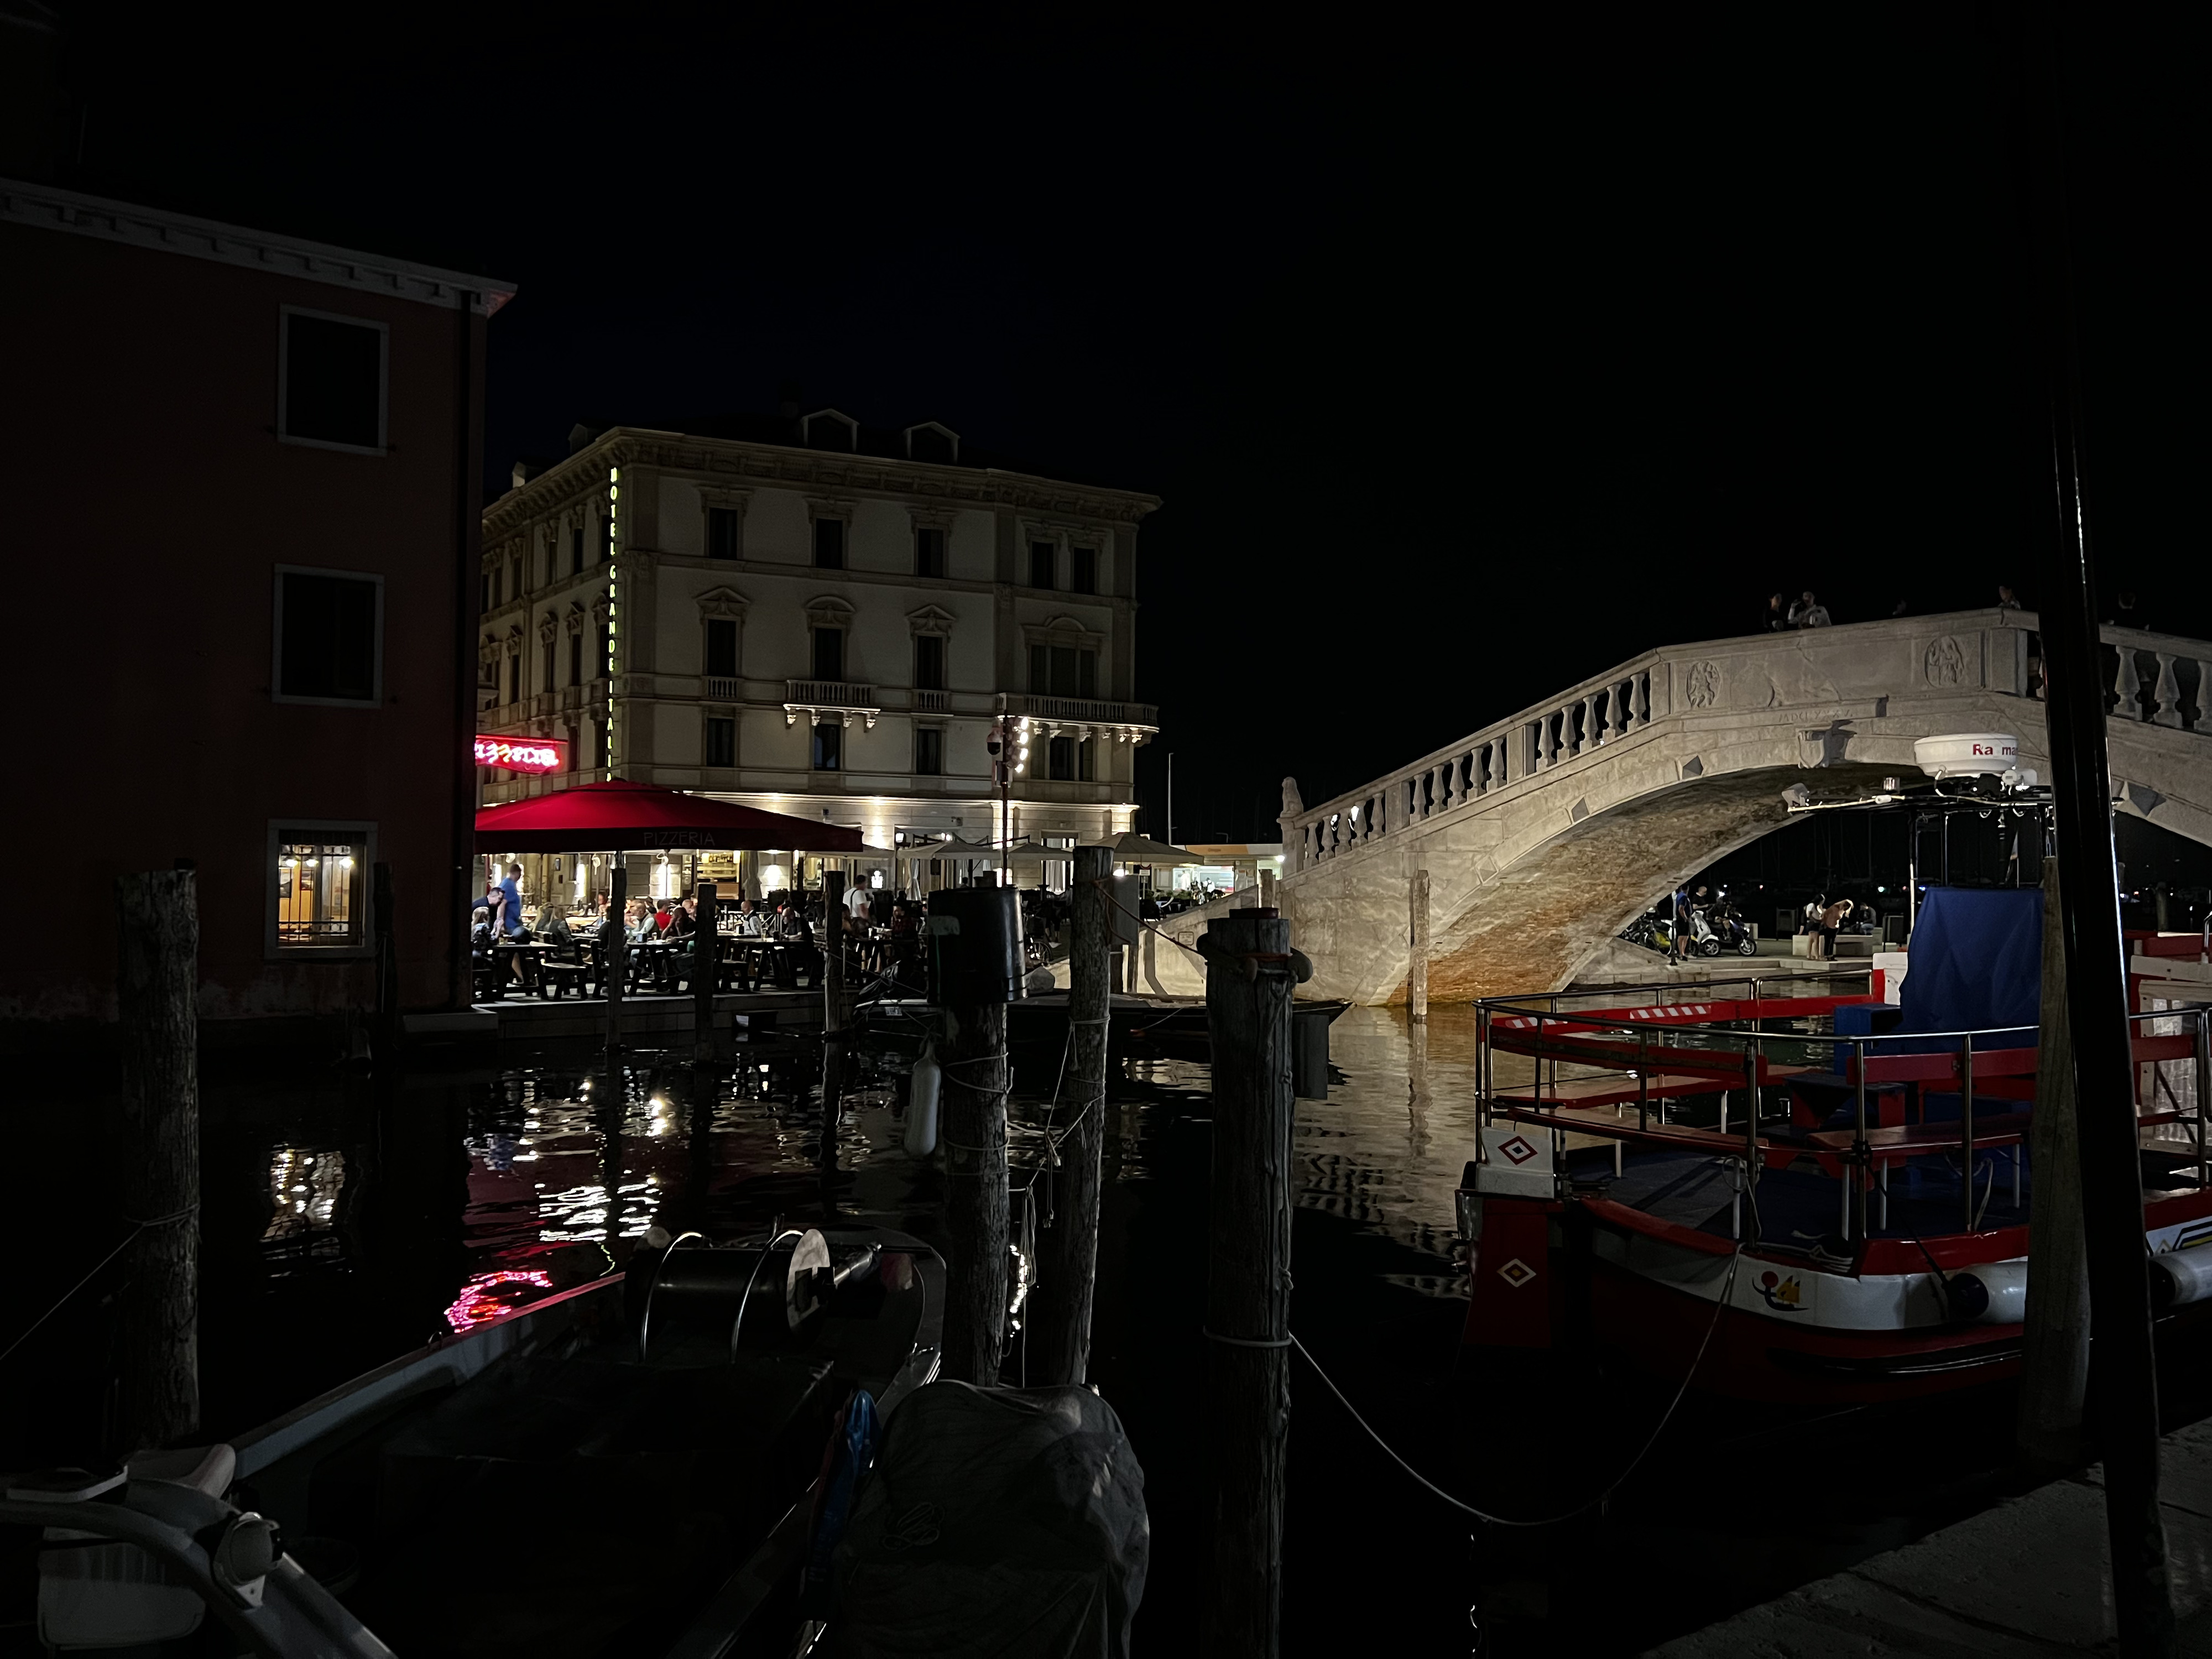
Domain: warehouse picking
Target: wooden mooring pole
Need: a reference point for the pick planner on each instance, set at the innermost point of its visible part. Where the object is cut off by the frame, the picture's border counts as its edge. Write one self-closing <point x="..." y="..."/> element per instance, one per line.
<point x="382" y="910"/>
<point x="706" y="972"/>
<point x="157" y="972"/>
<point x="833" y="1004"/>
<point x="614" y="957"/>
<point x="1248" y="982"/>
<point x="2054" y="1371"/>
<point x="1060" y="1331"/>
<point x="974" y="1097"/>
<point x="2123" y="1358"/>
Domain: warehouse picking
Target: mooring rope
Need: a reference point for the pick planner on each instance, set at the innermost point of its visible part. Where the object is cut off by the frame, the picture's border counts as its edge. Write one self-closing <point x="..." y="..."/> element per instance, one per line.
<point x="1719" y="1307"/>
<point x="136" y="1228"/>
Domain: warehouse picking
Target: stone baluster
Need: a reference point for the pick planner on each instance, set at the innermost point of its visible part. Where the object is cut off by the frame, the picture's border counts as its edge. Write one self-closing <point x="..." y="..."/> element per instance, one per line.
<point x="1592" y="730"/>
<point x="2169" y="693"/>
<point x="1642" y="704"/>
<point x="2129" y="684"/>
<point x="1547" y="748"/>
<point x="2203" y="695"/>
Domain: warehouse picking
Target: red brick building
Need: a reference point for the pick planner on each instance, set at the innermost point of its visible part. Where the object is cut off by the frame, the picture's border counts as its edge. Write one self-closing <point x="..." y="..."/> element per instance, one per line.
<point x="243" y="474"/>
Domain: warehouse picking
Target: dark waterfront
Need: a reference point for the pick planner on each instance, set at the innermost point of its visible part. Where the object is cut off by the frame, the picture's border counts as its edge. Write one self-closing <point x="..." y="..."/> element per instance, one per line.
<point x="349" y="1218"/>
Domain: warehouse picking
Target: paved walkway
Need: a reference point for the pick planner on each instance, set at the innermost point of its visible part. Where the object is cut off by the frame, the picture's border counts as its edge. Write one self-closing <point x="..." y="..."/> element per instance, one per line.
<point x="2025" y="1580"/>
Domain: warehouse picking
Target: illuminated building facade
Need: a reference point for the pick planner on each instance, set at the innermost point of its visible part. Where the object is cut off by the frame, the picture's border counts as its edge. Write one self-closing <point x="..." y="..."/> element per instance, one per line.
<point x="245" y="470"/>
<point x="803" y="615"/>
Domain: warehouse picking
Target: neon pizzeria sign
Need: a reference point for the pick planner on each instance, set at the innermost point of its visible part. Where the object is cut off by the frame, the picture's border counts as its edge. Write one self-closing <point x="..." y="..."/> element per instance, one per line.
<point x="524" y="754"/>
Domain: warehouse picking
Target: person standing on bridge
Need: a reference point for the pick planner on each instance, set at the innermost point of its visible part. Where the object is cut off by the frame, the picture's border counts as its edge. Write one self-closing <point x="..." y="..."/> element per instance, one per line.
<point x="1777" y="619"/>
<point x="1809" y="612"/>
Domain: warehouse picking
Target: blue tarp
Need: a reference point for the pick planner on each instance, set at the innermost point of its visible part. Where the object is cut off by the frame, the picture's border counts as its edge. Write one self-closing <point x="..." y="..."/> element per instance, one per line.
<point x="1977" y="960"/>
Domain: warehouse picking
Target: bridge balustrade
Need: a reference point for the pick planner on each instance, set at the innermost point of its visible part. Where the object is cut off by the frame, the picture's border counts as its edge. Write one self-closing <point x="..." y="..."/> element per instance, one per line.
<point x="2152" y="678"/>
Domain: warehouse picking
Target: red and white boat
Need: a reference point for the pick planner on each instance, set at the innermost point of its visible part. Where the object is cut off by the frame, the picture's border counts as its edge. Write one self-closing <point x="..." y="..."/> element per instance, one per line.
<point x="1807" y="1190"/>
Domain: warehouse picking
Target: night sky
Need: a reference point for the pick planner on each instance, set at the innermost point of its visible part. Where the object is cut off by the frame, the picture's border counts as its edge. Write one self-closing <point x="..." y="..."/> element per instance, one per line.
<point x="1467" y="362"/>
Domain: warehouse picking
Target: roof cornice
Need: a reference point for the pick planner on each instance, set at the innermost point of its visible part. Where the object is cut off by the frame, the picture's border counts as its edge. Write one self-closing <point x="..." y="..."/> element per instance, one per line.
<point x="45" y="208"/>
<point x="733" y="459"/>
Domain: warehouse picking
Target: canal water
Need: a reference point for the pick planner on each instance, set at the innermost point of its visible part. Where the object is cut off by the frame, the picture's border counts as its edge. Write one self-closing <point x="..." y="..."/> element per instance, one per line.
<point x="347" y="1216"/>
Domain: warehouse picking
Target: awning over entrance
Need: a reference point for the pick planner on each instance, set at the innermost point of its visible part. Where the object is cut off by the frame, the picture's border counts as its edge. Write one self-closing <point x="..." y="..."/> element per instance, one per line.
<point x="639" y="817"/>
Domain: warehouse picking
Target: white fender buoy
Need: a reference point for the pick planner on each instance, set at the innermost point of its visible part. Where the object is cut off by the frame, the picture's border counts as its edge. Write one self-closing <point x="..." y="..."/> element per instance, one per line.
<point x="2177" y="1277"/>
<point x="921" y="1105"/>
<point x="1991" y="1292"/>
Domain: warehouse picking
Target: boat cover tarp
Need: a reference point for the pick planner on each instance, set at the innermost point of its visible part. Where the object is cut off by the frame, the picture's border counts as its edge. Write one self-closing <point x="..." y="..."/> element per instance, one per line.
<point x="1976" y="962"/>
<point x="998" y="1523"/>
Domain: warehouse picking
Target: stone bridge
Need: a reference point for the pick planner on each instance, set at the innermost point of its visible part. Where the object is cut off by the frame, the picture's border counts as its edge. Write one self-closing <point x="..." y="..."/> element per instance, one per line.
<point x="1545" y="832"/>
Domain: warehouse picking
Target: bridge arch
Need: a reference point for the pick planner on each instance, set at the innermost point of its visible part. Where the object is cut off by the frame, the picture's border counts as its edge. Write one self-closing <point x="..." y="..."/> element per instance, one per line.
<point x="1544" y="833"/>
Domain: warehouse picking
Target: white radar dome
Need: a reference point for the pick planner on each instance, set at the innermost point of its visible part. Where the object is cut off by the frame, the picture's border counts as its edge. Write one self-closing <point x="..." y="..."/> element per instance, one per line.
<point x="1967" y="754"/>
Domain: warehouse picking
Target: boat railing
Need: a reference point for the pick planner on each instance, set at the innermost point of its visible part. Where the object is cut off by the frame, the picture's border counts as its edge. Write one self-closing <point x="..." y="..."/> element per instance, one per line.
<point x="1720" y="1045"/>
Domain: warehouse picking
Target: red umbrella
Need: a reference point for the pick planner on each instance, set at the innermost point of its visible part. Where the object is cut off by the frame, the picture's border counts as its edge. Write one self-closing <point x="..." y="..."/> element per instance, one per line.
<point x="639" y="817"/>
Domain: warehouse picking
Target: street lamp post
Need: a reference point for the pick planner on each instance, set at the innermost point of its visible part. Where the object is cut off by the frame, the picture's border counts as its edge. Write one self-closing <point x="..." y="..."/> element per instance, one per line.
<point x="1009" y="746"/>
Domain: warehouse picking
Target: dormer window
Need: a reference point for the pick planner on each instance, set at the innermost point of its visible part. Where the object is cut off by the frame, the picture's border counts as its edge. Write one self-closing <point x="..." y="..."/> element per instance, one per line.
<point x="826" y="428"/>
<point x="933" y="441"/>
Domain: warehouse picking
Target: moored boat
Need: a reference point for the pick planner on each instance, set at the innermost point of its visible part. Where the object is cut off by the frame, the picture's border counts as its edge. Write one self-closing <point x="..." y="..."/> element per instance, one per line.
<point x="1806" y="1188"/>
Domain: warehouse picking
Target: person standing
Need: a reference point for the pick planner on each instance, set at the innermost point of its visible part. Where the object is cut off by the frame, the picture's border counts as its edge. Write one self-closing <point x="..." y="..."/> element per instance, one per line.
<point x="1777" y="619"/>
<point x="1809" y="612"/>
<point x="2006" y="598"/>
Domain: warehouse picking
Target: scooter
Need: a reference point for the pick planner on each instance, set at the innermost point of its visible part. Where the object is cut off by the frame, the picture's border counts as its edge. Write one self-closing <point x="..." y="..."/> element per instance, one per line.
<point x="1729" y="931"/>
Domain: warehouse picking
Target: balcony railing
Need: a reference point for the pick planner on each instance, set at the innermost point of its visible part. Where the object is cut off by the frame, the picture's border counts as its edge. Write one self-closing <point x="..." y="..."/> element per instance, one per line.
<point x="932" y="702"/>
<point x="1084" y="709"/>
<point x="830" y="694"/>
<point x="721" y="690"/>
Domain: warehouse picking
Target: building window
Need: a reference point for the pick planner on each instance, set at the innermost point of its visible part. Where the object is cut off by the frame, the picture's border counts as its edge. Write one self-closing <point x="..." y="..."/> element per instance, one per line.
<point x="1082" y="569"/>
<point x="722" y="647"/>
<point x="576" y="746"/>
<point x="1061" y="753"/>
<point x="321" y="875"/>
<point x="1063" y="670"/>
<point x="829" y="747"/>
<point x="929" y="751"/>
<point x="1041" y="555"/>
<point x="721" y="740"/>
<point x="330" y="386"/>
<point x="829" y="654"/>
<point x="483" y="606"/>
<point x="329" y="636"/>
<point x="576" y="549"/>
<point x="514" y="678"/>
<point x="828" y="544"/>
<point x="929" y="662"/>
<point x="546" y="684"/>
<point x="576" y="657"/>
<point x="928" y="550"/>
<point x="606" y="652"/>
<point x="1086" y="762"/>
<point x="721" y="532"/>
<point x="599" y="744"/>
<point x="606" y="536"/>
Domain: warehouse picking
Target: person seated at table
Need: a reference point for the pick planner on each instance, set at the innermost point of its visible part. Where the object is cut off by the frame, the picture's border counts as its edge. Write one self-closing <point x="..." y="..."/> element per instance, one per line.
<point x="480" y="935"/>
<point x="553" y="926"/>
<point x="684" y="922"/>
<point x="790" y="924"/>
<point x="662" y="915"/>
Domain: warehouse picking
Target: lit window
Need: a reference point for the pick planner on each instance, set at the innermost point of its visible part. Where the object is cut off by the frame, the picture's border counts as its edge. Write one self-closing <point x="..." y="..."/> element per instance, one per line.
<point x="322" y="878"/>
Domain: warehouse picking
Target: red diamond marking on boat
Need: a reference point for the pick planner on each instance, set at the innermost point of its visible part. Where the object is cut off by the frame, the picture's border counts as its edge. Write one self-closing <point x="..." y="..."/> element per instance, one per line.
<point x="1517" y="1150"/>
<point x="1517" y="1273"/>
